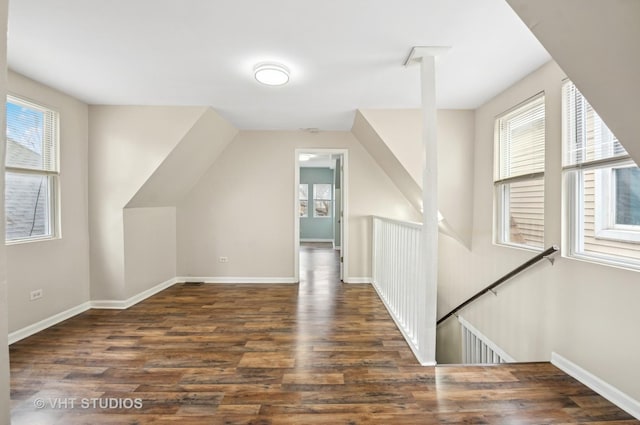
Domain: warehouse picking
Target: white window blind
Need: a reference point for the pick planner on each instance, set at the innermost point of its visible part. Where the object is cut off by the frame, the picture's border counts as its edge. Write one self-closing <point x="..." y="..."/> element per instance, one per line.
<point x="32" y="133"/>
<point x="31" y="178"/>
<point x="587" y="137"/>
<point x="603" y="182"/>
<point x="521" y="140"/>
<point x="519" y="175"/>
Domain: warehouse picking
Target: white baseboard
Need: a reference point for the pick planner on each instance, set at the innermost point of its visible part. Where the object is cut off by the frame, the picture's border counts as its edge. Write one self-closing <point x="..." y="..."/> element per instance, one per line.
<point x="316" y="240"/>
<point x="109" y="304"/>
<point x="357" y="280"/>
<point x="611" y="393"/>
<point x="124" y="304"/>
<point x="27" y="331"/>
<point x="233" y="279"/>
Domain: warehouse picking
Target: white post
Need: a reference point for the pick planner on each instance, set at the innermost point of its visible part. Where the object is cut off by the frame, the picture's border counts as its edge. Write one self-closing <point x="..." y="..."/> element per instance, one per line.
<point x="426" y="57"/>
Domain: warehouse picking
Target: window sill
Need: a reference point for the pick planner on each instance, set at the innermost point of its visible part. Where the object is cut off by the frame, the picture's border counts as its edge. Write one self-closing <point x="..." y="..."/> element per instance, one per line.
<point x="519" y="246"/>
<point x="619" y="236"/>
<point x="602" y="260"/>
<point x="31" y="240"/>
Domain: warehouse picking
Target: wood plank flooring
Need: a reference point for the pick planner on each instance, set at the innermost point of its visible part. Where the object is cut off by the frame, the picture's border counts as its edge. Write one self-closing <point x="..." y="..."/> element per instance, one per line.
<point x="315" y="353"/>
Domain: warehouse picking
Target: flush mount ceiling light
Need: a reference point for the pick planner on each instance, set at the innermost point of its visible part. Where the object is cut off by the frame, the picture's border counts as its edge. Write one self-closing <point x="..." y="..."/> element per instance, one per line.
<point x="271" y="74"/>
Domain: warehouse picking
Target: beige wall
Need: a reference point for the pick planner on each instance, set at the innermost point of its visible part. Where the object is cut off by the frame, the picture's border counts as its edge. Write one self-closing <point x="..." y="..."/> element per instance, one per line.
<point x="149" y="247"/>
<point x="455" y="170"/>
<point x="401" y="131"/>
<point x="126" y="145"/>
<point x="4" y="351"/>
<point x="243" y="207"/>
<point x="584" y="312"/>
<point x="60" y="267"/>
<point x="448" y="343"/>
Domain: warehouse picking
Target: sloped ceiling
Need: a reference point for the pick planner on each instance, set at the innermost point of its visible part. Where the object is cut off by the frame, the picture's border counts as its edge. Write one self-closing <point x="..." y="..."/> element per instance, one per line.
<point x="187" y="162"/>
<point x="393" y="137"/>
<point x="380" y="151"/>
<point x="597" y="44"/>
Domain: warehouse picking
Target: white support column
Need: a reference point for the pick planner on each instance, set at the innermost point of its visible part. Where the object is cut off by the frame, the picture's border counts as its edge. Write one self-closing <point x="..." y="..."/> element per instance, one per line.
<point x="426" y="57"/>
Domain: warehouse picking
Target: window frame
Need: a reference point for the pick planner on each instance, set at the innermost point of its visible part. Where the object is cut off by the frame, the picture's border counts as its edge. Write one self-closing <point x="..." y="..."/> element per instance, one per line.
<point x="301" y="200"/>
<point x="330" y="200"/>
<point x="574" y="166"/>
<point x="614" y="204"/>
<point x="52" y="176"/>
<point x="502" y="207"/>
<point x="605" y="218"/>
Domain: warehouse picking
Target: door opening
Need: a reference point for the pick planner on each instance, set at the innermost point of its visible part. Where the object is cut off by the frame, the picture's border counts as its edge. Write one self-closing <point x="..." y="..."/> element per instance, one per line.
<point x="320" y="213"/>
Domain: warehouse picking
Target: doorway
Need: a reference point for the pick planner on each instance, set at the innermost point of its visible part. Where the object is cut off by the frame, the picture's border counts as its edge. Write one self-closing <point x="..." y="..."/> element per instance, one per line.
<point x="321" y="207"/>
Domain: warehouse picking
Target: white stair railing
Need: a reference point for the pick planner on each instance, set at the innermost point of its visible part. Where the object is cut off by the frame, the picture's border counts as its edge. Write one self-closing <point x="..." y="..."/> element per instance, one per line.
<point x="396" y="269"/>
<point x="478" y="349"/>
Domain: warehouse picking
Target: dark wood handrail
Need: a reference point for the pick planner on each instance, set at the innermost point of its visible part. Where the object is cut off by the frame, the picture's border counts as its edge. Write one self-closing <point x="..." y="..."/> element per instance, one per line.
<point x="500" y="281"/>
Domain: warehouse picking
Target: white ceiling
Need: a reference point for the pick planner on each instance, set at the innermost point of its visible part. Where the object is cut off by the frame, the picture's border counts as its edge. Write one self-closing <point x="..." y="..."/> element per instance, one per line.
<point x="343" y="54"/>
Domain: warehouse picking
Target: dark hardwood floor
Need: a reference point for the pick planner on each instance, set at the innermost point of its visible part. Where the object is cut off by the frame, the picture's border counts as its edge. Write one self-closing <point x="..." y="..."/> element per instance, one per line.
<point x="315" y="353"/>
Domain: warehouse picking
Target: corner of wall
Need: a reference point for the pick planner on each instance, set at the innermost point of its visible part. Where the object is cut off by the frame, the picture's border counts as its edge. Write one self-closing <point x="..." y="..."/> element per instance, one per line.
<point x="119" y="136"/>
<point x="4" y="316"/>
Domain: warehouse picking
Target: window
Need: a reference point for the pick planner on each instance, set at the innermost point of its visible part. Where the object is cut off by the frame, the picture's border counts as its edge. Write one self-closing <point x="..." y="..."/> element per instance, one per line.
<point x="603" y="196"/>
<point x="322" y="200"/>
<point x="303" y="196"/>
<point x="626" y="208"/>
<point x="519" y="175"/>
<point x="31" y="177"/>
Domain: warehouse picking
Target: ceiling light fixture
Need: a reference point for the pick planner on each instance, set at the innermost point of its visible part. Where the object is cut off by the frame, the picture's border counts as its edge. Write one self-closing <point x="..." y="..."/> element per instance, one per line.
<point x="271" y="74"/>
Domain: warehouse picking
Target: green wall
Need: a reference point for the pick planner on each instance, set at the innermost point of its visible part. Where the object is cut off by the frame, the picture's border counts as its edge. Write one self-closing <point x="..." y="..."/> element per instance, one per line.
<point x="314" y="227"/>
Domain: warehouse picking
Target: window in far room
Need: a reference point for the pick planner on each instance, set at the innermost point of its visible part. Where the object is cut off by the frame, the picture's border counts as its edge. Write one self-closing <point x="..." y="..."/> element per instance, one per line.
<point x="31" y="177"/>
<point x="303" y="195"/>
<point x="322" y="198"/>
<point x="519" y="175"/>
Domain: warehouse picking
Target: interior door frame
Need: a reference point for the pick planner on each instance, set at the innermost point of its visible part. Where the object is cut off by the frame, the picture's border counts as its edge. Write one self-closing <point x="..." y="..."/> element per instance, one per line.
<point x="344" y="192"/>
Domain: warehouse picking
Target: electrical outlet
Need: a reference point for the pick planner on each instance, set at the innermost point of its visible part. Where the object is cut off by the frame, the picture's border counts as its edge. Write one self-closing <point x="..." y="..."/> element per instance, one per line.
<point x="35" y="295"/>
<point x="223" y="260"/>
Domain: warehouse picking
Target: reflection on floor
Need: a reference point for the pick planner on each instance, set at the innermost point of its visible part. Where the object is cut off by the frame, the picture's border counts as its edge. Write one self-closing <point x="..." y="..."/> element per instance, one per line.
<point x="319" y="268"/>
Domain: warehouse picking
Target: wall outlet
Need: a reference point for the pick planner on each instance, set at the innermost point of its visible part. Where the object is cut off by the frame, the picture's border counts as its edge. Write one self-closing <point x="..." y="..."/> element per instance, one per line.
<point x="35" y="295"/>
<point x="223" y="260"/>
